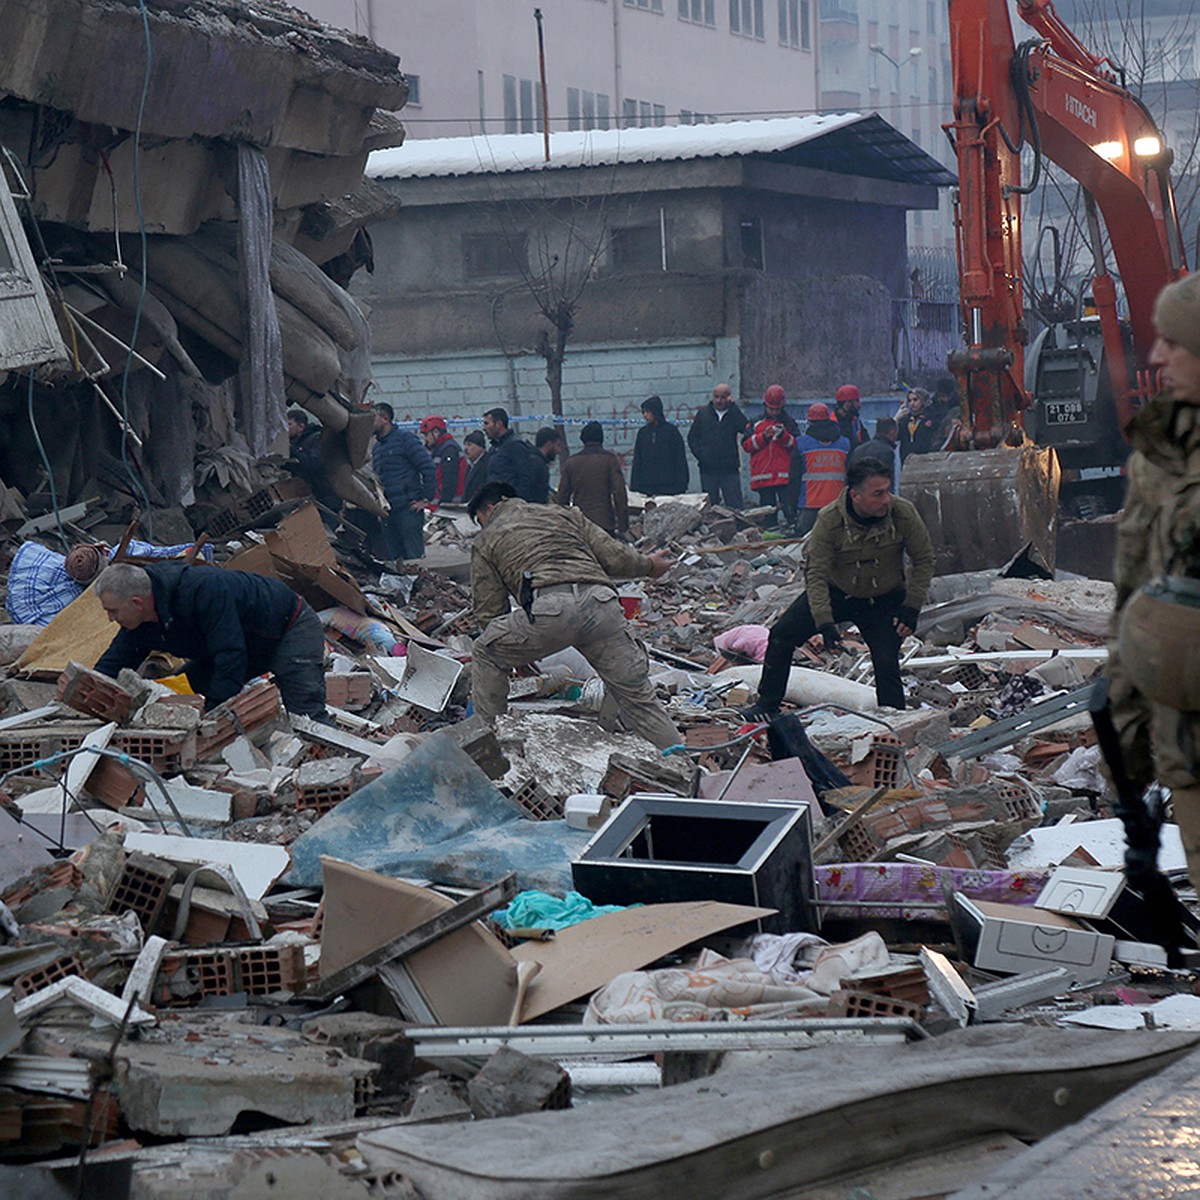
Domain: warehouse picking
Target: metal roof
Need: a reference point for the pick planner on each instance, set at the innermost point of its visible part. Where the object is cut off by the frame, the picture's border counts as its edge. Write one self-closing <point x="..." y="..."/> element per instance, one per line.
<point x="845" y="143"/>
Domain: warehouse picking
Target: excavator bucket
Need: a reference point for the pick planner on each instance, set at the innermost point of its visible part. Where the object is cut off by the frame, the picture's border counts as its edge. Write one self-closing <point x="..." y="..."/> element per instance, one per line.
<point x="983" y="507"/>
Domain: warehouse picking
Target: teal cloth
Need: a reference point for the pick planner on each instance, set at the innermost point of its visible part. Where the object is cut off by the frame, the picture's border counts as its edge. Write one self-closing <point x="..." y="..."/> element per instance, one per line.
<point x="540" y="910"/>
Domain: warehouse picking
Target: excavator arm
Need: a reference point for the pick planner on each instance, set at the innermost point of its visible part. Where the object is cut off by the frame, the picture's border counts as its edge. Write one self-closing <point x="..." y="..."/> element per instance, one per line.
<point x="1069" y="107"/>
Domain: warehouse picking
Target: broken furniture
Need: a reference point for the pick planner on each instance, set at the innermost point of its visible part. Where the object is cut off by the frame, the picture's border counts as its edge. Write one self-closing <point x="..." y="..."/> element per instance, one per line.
<point x="663" y="848"/>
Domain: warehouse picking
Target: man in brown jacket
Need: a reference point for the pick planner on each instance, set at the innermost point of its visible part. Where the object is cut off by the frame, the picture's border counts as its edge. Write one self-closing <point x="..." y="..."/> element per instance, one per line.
<point x="856" y="573"/>
<point x="558" y="566"/>
<point x="593" y="480"/>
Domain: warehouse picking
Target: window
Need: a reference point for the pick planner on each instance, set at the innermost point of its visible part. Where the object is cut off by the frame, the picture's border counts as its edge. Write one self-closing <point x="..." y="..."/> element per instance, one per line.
<point x="649" y="5"/>
<point x="687" y="117"/>
<point x="636" y="248"/>
<point x="522" y="105"/>
<point x="699" y="12"/>
<point x="750" y="229"/>
<point x="586" y="110"/>
<point x="510" y="103"/>
<point x="746" y="18"/>
<point x="931" y="17"/>
<point x="933" y="81"/>
<point x="414" y="90"/>
<point x="491" y="255"/>
<point x="793" y="24"/>
<point x="31" y="335"/>
<point x="639" y="114"/>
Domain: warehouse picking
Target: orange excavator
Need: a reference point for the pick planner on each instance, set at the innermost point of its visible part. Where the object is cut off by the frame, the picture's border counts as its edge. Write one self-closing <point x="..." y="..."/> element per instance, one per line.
<point x="1074" y="387"/>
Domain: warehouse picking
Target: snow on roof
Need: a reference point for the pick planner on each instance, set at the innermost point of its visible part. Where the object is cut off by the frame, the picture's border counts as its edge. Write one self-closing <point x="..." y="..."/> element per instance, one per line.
<point x="513" y="152"/>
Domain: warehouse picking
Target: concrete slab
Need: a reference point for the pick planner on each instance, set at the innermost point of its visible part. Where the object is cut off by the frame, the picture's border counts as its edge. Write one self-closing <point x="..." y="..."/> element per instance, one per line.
<point x="728" y="1135"/>
<point x="194" y="1075"/>
<point x="1139" y="1146"/>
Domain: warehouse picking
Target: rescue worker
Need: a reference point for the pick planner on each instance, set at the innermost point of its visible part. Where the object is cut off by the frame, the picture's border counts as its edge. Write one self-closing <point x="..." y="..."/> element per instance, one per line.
<point x="1154" y="671"/>
<point x="770" y="443"/>
<point x="557" y="565"/>
<point x="856" y="572"/>
<point x="847" y="407"/>
<point x="818" y="467"/>
<point x="448" y="462"/>
<point x="230" y="625"/>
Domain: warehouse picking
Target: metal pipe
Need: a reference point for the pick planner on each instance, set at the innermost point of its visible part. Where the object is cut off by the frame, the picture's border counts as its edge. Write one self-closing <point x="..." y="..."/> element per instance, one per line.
<point x="976" y="326"/>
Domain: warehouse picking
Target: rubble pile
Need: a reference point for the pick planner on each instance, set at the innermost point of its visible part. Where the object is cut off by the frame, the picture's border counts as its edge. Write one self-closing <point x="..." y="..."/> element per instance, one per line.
<point x="222" y="925"/>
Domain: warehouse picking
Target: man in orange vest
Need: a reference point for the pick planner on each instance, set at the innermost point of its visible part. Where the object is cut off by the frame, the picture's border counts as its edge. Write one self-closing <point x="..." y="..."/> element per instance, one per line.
<point x="818" y="466"/>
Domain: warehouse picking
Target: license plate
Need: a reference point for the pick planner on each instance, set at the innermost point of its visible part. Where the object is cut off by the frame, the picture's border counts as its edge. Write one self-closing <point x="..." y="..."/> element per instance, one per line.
<point x="1065" y="412"/>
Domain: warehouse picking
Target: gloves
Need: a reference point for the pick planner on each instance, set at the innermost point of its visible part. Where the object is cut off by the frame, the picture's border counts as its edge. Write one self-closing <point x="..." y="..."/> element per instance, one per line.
<point x="907" y="615"/>
<point x="833" y="639"/>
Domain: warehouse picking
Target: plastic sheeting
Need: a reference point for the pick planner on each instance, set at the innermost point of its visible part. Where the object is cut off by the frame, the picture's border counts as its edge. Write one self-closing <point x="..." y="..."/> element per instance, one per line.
<point x="438" y="817"/>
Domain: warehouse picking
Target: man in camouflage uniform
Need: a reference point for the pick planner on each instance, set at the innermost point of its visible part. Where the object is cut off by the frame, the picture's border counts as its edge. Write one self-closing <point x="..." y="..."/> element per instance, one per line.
<point x="557" y="565"/>
<point x="1159" y="534"/>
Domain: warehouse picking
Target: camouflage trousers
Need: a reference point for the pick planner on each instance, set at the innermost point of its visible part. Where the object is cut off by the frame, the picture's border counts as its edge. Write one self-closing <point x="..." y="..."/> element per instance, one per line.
<point x="1161" y="743"/>
<point x="588" y="617"/>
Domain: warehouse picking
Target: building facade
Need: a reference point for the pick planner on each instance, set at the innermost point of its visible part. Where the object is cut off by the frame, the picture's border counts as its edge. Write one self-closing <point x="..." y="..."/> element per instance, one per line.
<point x="473" y="68"/>
<point x="749" y="253"/>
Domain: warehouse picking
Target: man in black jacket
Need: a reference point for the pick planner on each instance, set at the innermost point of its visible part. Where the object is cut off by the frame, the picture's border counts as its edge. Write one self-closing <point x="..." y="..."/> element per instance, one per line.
<point x="511" y="459"/>
<point x="715" y="438"/>
<point x="231" y="626"/>
<point x="659" y="461"/>
<point x="475" y="451"/>
<point x="306" y="462"/>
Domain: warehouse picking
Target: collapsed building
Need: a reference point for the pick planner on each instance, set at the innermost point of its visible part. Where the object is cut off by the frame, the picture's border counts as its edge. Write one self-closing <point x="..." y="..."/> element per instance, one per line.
<point x="184" y="200"/>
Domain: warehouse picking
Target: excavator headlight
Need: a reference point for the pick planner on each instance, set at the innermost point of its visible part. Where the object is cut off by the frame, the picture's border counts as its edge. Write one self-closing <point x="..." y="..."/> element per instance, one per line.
<point x="1109" y="150"/>
<point x="1149" y="146"/>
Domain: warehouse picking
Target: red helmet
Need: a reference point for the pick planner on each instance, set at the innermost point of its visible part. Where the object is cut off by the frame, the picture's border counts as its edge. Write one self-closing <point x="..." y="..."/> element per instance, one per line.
<point x="773" y="397"/>
<point x="431" y="423"/>
<point x="847" y="392"/>
<point x="818" y="412"/>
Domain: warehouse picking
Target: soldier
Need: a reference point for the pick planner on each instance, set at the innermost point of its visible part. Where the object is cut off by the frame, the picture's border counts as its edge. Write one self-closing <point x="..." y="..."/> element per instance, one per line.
<point x="557" y="565"/>
<point x="1153" y="666"/>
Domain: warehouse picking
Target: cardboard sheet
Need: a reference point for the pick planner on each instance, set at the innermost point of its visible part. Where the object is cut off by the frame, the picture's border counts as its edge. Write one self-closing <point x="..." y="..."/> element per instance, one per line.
<point x="468" y="977"/>
<point x="586" y="956"/>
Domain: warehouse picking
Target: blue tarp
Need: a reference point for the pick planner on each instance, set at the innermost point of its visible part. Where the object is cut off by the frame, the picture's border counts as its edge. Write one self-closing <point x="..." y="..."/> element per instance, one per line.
<point x="437" y="816"/>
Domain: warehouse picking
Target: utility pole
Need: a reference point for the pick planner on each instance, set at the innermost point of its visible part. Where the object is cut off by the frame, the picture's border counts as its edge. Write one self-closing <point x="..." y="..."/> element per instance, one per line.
<point x="537" y="16"/>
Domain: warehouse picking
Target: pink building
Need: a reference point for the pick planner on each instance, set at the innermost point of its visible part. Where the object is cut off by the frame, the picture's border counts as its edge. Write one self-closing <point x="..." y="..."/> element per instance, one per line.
<point x="473" y="67"/>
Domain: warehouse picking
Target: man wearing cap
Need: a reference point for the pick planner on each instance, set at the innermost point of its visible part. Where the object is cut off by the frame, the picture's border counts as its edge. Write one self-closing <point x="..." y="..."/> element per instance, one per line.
<point x="408" y="478"/>
<point x="856" y="572"/>
<point x="558" y="568"/>
<point x="449" y="467"/>
<point x="770" y="443"/>
<point x="715" y="439"/>
<point x="818" y="467"/>
<point x="1159" y="536"/>
<point x="848" y="405"/>
<point x="475" y="457"/>
<point x="592" y="480"/>
<point x="883" y="446"/>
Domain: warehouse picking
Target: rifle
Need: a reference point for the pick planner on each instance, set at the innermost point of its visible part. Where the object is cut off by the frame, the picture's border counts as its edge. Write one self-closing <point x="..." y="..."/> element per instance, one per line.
<point x="1142" y="821"/>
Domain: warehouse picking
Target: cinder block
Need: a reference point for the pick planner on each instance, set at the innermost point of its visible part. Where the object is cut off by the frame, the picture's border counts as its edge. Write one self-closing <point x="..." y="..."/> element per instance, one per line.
<point x="97" y="695"/>
<point x="114" y="785"/>
<point x="142" y="887"/>
<point x="349" y="689"/>
<point x="847" y="1003"/>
